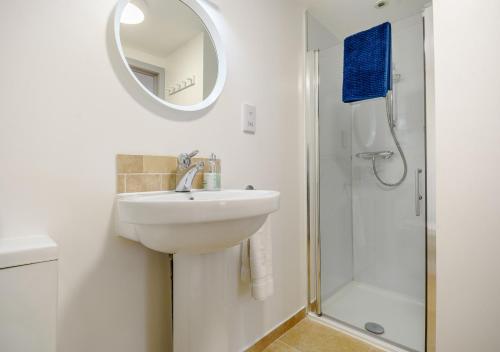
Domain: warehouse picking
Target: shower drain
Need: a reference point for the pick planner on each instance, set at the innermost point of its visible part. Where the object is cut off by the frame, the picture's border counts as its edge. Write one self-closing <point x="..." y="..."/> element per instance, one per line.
<point x="374" y="328"/>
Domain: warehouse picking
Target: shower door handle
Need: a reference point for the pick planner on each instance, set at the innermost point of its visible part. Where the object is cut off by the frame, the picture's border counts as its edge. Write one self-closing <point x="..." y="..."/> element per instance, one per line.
<point x="418" y="196"/>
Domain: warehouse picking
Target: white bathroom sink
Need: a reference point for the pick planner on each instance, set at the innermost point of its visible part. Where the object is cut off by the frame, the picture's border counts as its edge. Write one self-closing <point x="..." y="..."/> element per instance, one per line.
<point x="195" y="222"/>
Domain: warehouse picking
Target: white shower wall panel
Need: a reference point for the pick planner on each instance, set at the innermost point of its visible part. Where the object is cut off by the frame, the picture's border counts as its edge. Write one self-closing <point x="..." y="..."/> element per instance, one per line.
<point x="335" y="175"/>
<point x="389" y="239"/>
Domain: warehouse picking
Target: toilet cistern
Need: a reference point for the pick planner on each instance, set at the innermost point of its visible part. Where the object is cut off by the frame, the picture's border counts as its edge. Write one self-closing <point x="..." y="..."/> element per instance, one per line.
<point x="28" y="294"/>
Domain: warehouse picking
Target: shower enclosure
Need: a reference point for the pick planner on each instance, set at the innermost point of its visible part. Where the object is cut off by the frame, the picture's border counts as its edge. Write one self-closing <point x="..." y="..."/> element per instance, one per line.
<point x="368" y="240"/>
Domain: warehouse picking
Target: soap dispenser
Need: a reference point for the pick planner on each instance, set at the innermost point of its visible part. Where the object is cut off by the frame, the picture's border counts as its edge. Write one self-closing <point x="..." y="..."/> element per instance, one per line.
<point x="211" y="179"/>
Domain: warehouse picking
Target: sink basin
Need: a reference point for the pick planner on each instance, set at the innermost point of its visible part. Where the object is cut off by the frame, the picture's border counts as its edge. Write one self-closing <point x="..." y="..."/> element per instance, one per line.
<point x="194" y="222"/>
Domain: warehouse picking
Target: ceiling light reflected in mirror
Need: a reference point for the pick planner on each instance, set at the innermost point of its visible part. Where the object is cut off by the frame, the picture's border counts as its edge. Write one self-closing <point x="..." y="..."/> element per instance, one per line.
<point x="132" y="14"/>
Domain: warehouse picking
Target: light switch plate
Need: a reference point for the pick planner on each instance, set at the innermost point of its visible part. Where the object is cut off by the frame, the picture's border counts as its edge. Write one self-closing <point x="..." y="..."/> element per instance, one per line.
<point x="249" y="118"/>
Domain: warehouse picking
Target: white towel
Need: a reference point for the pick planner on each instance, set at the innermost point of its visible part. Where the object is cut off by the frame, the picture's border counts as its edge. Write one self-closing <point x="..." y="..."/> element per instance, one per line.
<point x="257" y="263"/>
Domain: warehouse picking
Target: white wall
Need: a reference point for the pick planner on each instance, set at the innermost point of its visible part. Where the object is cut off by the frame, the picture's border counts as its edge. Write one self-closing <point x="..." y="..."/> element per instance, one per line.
<point x="318" y="36"/>
<point x="468" y="188"/>
<point x="186" y="61"/>
<point x="64" y="116"/>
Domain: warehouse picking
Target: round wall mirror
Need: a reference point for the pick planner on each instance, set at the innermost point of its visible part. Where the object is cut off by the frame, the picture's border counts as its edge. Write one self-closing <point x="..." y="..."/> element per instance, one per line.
<point x="172" y="49"/>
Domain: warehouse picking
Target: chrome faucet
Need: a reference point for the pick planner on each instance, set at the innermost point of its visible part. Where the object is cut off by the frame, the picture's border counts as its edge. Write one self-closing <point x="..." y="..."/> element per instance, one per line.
<point x="184" y="163"/>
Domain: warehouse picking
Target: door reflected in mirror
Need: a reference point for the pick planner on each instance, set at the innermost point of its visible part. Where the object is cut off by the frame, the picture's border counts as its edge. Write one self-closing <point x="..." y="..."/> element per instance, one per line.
<point x="169" y="50"/>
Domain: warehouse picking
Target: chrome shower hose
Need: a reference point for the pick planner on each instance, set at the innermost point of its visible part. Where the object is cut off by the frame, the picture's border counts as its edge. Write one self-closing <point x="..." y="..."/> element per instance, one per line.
<point x="390" y="120"/>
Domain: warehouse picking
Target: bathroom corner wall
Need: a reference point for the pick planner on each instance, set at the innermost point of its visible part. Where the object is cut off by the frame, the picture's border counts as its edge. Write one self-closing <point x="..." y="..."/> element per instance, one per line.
<point x="467" y="85"/>
<point x="65" y="115"/>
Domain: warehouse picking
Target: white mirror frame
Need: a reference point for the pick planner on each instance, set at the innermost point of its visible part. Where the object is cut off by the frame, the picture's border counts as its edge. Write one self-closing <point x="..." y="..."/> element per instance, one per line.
<point x="219" y="49"/>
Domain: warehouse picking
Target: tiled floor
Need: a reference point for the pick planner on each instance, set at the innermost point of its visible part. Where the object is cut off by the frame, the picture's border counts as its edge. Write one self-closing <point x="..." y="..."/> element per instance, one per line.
<point x="310" y="336"/>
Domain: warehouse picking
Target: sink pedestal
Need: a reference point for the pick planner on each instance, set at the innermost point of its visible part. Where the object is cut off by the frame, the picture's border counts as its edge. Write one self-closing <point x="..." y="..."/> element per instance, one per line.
<point x="201" y="316"/>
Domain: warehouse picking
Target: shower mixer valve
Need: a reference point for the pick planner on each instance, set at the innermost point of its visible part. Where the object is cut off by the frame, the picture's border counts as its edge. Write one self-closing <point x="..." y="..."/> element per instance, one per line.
<point x="384" y="154"/>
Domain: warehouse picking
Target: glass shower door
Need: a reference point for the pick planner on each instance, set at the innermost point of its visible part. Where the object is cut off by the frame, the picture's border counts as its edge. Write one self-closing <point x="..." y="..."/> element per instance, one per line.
<point x="373" y="240"/>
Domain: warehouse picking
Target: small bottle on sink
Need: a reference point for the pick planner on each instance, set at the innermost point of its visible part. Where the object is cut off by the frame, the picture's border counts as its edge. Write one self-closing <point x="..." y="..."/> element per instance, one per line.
<point x="211" y="179"/>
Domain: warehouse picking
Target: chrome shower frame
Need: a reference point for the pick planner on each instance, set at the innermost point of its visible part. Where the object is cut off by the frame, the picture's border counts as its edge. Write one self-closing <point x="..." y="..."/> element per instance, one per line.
<point x="312" y="156"/>
<point x="314" y="299"/>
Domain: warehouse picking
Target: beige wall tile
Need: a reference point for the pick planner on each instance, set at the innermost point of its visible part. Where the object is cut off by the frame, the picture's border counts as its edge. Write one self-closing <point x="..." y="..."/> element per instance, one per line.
<point x="168" y="182"/>
<point x="198" y="181"/>
<point x="145" y="173"/>
<point x="159" y="164"/>
<point x="127" y="164"/>
<point x="143" y="183"/>
<point x="120" y="183"/>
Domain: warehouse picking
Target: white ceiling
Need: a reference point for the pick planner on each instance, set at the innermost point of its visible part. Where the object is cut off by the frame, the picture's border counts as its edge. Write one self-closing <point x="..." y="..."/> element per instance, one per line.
<point x="345" y="17"/>
<point x="167" y="25"/>
<point x="170" y="23"/>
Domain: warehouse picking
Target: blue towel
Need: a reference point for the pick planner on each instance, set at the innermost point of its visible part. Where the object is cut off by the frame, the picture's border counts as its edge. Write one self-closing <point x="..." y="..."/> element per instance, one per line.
<point x="367" y="64"/>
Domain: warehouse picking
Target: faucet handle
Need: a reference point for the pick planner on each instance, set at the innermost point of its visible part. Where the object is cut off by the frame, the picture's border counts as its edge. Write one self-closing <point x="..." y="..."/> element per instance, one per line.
<point x="184" y="159"/>
<point x="193" y="153"/>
